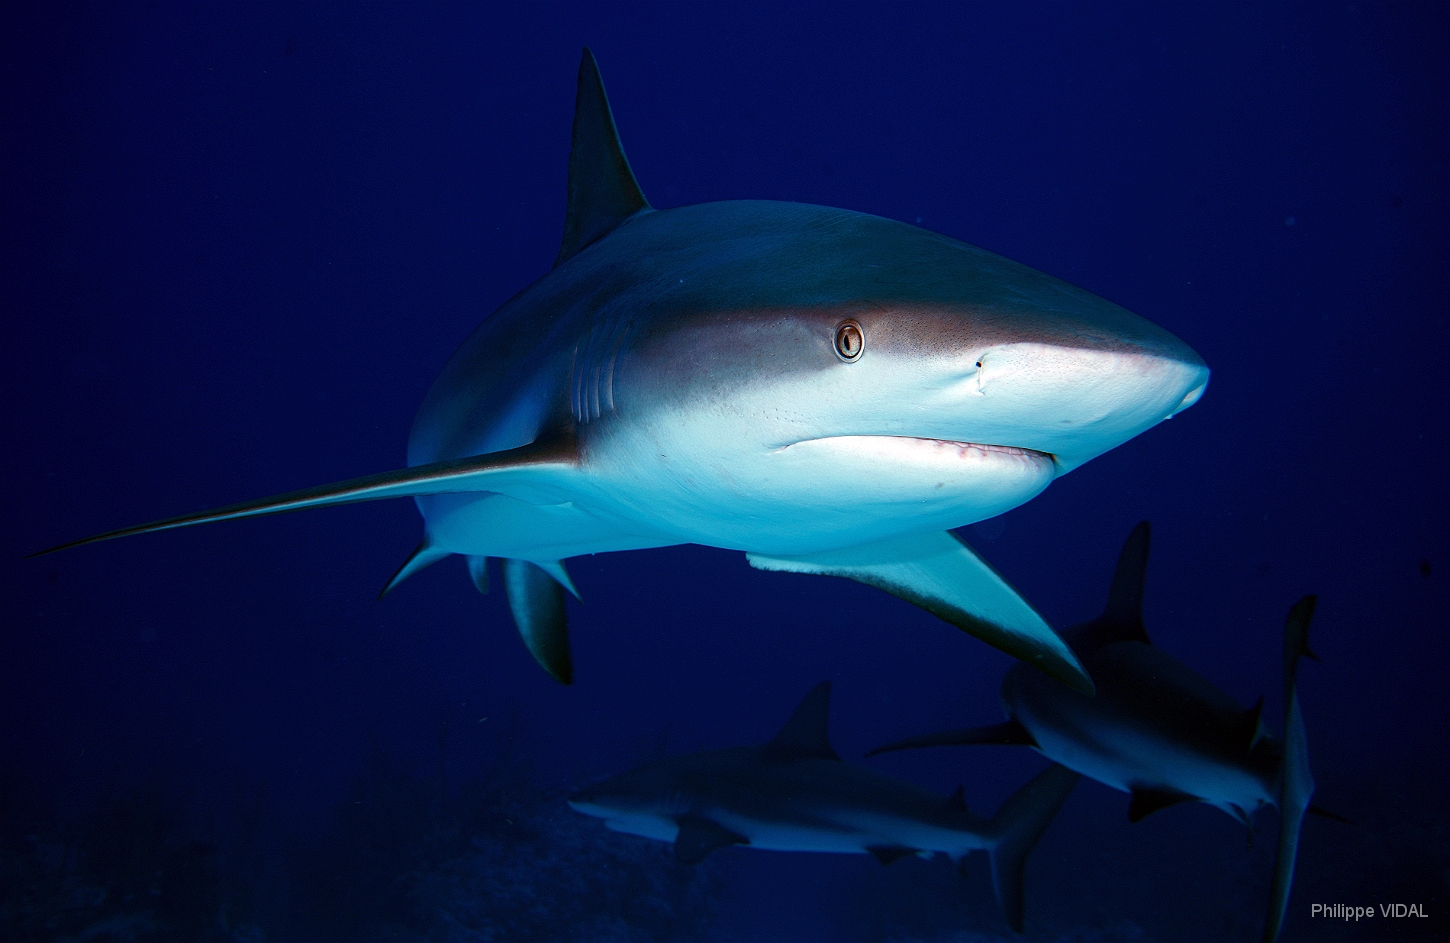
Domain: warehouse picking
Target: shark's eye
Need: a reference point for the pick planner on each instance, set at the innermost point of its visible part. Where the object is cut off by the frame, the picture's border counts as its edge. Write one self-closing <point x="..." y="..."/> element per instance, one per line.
<point x="850" y="341"/>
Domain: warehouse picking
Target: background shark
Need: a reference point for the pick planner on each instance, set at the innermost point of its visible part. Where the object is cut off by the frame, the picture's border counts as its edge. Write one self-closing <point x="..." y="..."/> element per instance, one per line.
<point x="1156" y="729"/>
<point x="826" y="390"/>
<point x="795" y="793"/>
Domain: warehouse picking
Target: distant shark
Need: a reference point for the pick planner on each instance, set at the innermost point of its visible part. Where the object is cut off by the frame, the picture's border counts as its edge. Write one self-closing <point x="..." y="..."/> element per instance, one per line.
<point x="796" y="794"/>
<point x="828" y="391"/>
<point x="1156" y="729"/>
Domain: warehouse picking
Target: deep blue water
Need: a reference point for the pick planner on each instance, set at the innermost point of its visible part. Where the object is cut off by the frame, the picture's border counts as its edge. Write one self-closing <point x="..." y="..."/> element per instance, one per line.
<point x="240" y="241"/>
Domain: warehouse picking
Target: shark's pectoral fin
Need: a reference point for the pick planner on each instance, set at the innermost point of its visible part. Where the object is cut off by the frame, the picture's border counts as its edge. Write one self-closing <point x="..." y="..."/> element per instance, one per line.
<point x="1016" y="828"/>
<point x="944" y="576"/>
<point x="886" y="854"/>
<point x="478" y="572"/>
<point x="1147" y="800"/>
<point x="699" y="836"/>
<point x="1296" y="782"/>
<point x="537" y="602"/>
<point x="426" y="555"/>
<point x="535" y="471"/>
<point x="1007" y="733"/>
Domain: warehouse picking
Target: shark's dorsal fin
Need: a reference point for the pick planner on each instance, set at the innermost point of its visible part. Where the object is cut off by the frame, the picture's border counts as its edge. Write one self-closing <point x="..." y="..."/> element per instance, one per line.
<point x="1146" y="801"/>
<point x="698" y="836"/>
<point x="957" y="801"/>
<point x="805" y="735"/>
<point x="1122" y="619"/>
<point x="886" y="854"/>
<point x="602" y="190"/>
<point x="1249" y="729"/>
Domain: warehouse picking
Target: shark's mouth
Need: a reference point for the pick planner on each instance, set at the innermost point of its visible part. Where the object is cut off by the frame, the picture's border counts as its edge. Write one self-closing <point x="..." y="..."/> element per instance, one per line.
<point x="938" y="446"/>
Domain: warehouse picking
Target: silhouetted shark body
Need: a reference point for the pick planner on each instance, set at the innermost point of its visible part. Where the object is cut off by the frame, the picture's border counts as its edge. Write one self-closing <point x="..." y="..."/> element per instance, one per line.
<point x="795" y="794"/>
<point x="1155" y="728"/>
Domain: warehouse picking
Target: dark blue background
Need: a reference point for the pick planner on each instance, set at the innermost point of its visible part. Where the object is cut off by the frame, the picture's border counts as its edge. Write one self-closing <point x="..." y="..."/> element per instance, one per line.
<point x="240" y="241"/>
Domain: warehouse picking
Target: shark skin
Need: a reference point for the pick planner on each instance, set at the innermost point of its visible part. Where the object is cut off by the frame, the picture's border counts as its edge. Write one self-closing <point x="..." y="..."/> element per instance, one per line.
<point x="1158" y="730"/>
<point x="830" y="392"/>
<point x="796" y="794"/>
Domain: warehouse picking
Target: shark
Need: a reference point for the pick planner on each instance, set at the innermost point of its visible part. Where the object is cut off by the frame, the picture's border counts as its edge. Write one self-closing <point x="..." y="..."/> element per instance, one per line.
<point x="1158" y="730"/>
<point x="828" y="391"/>
<point x="795" y="793"/>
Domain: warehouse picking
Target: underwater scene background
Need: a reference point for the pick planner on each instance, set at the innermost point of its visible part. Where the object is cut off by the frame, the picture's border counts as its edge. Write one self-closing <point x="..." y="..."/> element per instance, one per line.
<point x="240" y="241"/>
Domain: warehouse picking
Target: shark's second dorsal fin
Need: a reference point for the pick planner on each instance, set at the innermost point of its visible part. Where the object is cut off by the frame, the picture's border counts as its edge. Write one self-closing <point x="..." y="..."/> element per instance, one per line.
<point x="602" y="190"/>
<point x="805" y="735"/>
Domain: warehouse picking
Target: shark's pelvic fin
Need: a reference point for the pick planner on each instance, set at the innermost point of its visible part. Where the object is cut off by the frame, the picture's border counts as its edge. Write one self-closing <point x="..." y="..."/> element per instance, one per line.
<point x="1296" y="782"/>
<point x="886" y="854"/>
<point x="806" y="735"/>
<point x="425" y="556"/>
<point x="478" y="572"/>
<point x="1007" y="733"/>
<point x="555" y="568"/>
<point x="1016" y="827"/>
<point x="537" y="602"/>
<point x="602" y="190"/>
<point x="939" y="573"/>
<point x="699" y="836"/>
<point x="529" y="468"/>
<point x="1147" y="800"/>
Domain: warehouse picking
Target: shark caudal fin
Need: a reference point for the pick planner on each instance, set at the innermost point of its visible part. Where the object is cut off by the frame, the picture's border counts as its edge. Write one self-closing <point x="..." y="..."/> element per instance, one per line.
<point x="1007" y="733"/>
<point x="942" y="575"/>
<point x="1016" y="828"/>
<point x="602" y="190"/>
<point x="532" y="471"/>
<point x="1296" y="782"/>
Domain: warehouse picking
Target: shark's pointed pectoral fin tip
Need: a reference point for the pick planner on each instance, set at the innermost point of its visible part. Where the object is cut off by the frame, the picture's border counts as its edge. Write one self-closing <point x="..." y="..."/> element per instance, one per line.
<point x="937" y="572"/>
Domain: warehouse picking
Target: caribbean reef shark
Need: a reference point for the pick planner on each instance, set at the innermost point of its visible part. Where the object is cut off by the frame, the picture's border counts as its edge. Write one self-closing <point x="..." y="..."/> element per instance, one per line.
<point x="796" y="794"/>
<point x="828" y="391"/>
<point x="1158" y="730"/>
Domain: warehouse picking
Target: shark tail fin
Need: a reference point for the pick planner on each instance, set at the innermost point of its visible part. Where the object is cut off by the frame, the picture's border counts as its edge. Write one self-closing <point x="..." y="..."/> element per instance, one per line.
<point x="536" y="598"/>
<point x="1296" y="782"/>
<point x="602" y="190"/>
<point x="425" y="556"/>
<point x="1016" y="828"/>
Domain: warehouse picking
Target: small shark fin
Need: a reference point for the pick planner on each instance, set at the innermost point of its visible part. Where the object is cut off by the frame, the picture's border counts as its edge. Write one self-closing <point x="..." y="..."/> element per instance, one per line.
<point x="806" y="734"/>
<point x="1146" y="801"/>
<point x="699" y="836"/>
<point x="1296" y="782"/>
<point x="886" y="854"/>
<point x="939" y="573"/>
<point x="524" y="470"/>
<point x="1007" y="733"/>
<point x="537" y="602"/>
<point x="425" y="556"/>
<point x="957" y="801"/>
<point x="1122" y="618"/>
<point x="1016" y="828"/>
<point x="560" y="575"/>
<point x="602" y="190"/>
<point x="1250" y="729"/>
<point x="478" y="572"/>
